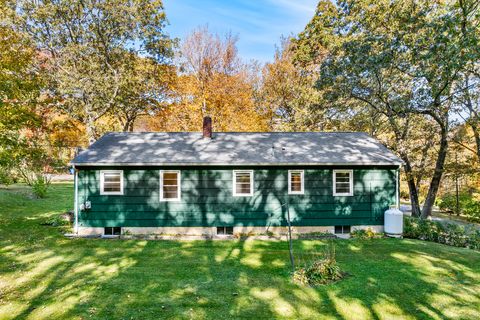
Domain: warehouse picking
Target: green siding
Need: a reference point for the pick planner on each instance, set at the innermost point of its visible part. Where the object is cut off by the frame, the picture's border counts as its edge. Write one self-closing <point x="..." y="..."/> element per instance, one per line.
<point x="206" y="199"/>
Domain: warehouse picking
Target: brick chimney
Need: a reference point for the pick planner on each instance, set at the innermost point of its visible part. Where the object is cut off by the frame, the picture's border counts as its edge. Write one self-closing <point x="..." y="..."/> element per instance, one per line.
<point x="207" y="127"/>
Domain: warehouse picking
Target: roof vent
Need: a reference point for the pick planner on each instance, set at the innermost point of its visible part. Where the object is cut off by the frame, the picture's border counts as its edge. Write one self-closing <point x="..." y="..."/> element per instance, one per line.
<point x="207" y="127"/>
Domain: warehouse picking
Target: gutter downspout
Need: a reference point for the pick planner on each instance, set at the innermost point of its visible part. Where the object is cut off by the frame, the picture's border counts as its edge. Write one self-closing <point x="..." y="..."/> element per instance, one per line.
<point x="397" y="189"/>
<point x="75" y="206"/>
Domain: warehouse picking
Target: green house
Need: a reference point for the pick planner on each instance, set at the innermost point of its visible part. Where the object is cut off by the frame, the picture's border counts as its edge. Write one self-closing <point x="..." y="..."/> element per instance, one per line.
<point x="231" y="182"/>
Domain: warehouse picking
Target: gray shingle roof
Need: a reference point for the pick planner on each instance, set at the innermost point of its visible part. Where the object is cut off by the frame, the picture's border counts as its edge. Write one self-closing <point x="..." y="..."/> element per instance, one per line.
<point x="237" y="148"/>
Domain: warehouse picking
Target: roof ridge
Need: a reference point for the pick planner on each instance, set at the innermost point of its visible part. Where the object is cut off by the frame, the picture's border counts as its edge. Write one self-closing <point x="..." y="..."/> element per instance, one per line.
<point x="243" y="132"/>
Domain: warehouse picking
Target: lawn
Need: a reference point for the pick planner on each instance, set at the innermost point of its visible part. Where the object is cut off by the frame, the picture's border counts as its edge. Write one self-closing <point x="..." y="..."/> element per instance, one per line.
<point x="44" y="275"/>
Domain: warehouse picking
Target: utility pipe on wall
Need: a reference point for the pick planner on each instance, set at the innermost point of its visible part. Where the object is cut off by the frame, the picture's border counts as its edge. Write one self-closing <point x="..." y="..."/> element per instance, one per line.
<point x="75" y="206"/>
<point x="397" y="191"/>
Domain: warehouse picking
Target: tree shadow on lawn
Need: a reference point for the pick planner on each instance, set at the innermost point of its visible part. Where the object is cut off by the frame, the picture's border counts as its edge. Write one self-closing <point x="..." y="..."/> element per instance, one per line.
<point x="235" y="279"/>
<point x="408" y="280"/>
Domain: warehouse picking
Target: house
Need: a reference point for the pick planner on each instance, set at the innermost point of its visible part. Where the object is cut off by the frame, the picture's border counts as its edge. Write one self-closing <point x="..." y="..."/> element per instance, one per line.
<point x="233" y="182"/>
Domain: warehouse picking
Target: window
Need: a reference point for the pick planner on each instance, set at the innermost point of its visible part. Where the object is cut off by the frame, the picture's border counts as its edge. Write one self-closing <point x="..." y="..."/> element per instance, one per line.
<point x="342" y="182"/>
<point x="224" y="230"/>
<point x="170" y="188"/>
<point x="295" y="181"/>
<point x="112" y="231"/>
<point x="242" y="183"/>
<point x="342" y="229"/>
<point x="111" y="182"/>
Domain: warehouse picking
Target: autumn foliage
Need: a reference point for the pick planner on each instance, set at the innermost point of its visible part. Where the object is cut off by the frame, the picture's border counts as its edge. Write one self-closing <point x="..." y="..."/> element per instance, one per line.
<point x="406" y="72"/>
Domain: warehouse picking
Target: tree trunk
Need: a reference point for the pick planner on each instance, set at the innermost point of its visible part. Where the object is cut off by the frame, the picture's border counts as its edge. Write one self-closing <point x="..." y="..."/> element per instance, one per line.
<point x="476" y="134"/>
<point x="411" y="187"/>
<point x="474" y="117"/>
<point x="90" y="129"/>
<point x="128" y="125"/>
<point x="430" y="142"/>
<point x="437" y="176"/>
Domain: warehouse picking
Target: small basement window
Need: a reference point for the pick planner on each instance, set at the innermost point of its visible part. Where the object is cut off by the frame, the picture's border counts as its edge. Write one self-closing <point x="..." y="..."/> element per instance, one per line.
<point x="170" y="187"/>
<point x="111" y="182"/>
<point x="224" y="230"/>
<point x="342" y="229"/>
<point x="295" y="181"/>
<point x="242" y="183"/>
<point x="112" y="231"/>
<point x="343" y="182"/>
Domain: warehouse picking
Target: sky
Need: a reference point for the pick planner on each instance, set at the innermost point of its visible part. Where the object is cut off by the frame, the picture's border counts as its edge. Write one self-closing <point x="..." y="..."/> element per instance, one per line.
<point x="259" y="24"/>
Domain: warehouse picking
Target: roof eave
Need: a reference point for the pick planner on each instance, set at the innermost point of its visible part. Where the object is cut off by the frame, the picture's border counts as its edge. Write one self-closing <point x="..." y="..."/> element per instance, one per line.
<point x="230" y="164"/>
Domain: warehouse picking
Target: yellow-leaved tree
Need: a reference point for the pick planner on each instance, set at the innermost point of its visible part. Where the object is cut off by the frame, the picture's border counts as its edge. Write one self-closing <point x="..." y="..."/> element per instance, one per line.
<point x="212" y="80"/>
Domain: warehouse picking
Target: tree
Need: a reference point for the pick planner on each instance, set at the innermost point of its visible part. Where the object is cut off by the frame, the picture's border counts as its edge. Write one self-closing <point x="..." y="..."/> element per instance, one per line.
<point x="212" y="80"/>
<point x="469" y="97"/>
<point x="400" y="58"/>
<point x="204" y="55"/>
<point x="144" y="92"/>
<point x="19" y="90"/>
<point x="88" y="44"/>
<point x="289" y="92"/>
<point x="470" y="100"/>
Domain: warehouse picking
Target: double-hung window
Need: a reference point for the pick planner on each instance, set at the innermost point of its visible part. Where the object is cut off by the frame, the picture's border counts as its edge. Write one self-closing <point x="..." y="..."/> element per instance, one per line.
<point x="170" y="186"/>
<point x="342" y="182"/>
<point x="111" y="182"/>
<point x="295" y="182"/>
<point x="242" y="183"/>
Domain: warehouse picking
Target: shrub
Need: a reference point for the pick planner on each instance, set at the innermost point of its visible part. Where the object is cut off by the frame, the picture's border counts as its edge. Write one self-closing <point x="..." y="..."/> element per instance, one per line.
<point x="453" y="235"/>
<point x="39" y="186"/>
<point x="471" y="207"/>
<point x="474" y="240"/>
<point x="5" y="177"/>
<point x="469" y="204"/>
<point x="321" y="271"/>
<point x="447" y="202"/>
<point x="446" y="233"/>
<point x="420" y="229"/>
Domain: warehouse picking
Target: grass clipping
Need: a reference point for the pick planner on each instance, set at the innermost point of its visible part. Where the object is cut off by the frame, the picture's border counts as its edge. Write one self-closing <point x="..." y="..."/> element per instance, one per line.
<point x="320" y="271"/>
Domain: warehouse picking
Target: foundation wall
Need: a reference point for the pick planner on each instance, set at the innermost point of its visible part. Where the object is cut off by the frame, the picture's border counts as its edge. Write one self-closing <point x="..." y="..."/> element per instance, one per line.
<point x="376" y="229"/>
<point x="211" y="231"/>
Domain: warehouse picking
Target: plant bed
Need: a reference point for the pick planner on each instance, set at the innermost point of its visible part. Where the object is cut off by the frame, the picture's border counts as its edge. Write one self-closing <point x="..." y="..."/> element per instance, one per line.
<point x="316" y="235"/>
<point x="366" y="234"/>
<point x="441" y="232"/>
<point x="320" y="271"/>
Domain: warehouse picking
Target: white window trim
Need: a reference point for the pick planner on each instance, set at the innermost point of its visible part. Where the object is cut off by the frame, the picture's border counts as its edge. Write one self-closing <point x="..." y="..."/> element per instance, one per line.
<point x="234" y="189"/>
<point x="179" y="184"/>
<point x="302" y="189"/>
<point x="102" y="182"/>
<point x="350" y="172"/>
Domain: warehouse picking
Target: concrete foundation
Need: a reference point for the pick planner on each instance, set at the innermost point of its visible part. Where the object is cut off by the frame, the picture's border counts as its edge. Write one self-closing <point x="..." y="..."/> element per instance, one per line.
<point x="376" y="229"/>
<point x="212" y="231"/>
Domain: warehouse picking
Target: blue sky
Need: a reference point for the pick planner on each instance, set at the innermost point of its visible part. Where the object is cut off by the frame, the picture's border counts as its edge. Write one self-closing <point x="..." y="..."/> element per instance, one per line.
<point x="259" y="24"/>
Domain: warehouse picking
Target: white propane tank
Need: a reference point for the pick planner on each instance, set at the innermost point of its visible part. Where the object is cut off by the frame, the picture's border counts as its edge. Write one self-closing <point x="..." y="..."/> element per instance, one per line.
<point x="394" y="222"/>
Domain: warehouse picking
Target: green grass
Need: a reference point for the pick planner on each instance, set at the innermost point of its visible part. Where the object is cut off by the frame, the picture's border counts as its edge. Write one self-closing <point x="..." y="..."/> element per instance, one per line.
<point x="46" y="276"/>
